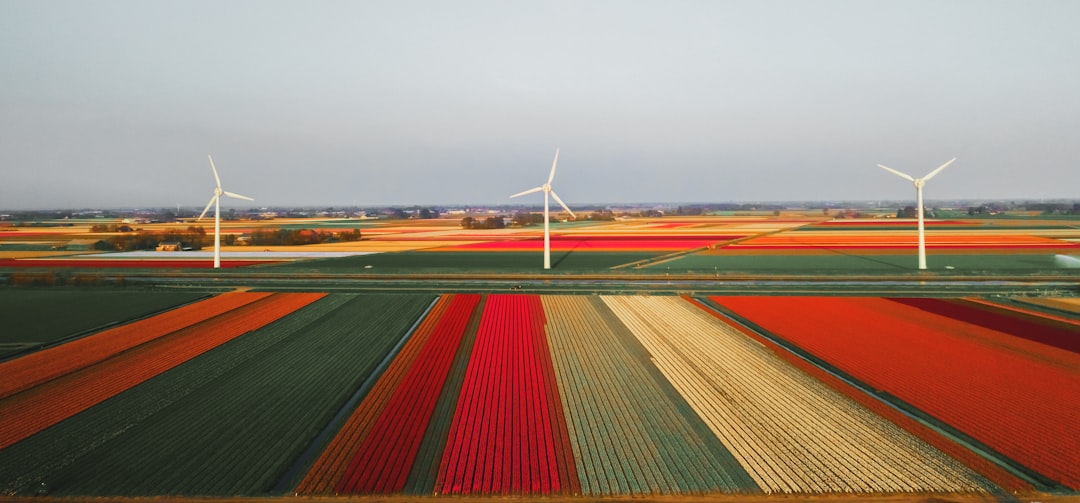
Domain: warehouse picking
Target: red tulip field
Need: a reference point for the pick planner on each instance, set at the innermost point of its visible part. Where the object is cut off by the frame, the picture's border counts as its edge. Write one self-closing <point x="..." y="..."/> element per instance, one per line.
<point x="314" y="394"/>
<point x="601" y="243"/>
<point x="950" y="366"/>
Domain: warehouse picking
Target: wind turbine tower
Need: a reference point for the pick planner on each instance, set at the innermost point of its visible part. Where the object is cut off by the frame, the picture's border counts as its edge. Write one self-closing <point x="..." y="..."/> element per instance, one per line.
<point x="919" y="183"/>
<point x="215" y="200"/>
<point x="546" y="188"/>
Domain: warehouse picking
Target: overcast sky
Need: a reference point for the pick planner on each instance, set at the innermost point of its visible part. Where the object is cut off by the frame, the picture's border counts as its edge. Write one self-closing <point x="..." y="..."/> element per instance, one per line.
<point x="117" y="103"/>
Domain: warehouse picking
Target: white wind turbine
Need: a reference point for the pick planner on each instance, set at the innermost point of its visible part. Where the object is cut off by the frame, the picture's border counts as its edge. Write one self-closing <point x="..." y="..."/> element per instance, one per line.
<point x="919" y="182"/>
<point x="215" y="200"/>
<point x="547" y="190"/>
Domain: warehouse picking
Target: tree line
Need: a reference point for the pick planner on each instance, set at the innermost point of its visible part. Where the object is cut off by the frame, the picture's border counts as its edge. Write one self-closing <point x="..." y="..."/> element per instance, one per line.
<point x="195" y="238"/>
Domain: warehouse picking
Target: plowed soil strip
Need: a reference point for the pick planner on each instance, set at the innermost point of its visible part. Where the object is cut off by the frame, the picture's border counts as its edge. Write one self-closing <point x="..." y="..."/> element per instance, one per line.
<point x="38" y="408"/>
<point x="39" y="367"/>
<point x="791" y="433"/>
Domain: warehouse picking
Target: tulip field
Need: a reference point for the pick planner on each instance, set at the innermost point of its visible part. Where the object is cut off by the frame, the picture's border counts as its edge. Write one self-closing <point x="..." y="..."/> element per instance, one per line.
<point x="940" y="356"/>
<point x="229" y="421"/>
<point x="30" y="322"/>
<point x="790" y="432"/>
<point x="327" y="394"/>
<point x="586" y="243"/>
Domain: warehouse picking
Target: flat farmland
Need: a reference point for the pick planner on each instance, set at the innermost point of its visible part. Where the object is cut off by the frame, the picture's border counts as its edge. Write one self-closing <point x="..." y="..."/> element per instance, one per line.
<point x="273" y="394"/>
<point x="181" y="390"/>
<point x="463" y="262"/>
<point x="30" y="321"/>
<point x="681" y="246"/>
<point x="957" y="361"/>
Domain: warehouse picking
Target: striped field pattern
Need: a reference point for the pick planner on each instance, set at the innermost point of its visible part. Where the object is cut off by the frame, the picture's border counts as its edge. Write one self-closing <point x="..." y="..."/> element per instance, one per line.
<point x="37" y="408"/>
<point x="792" y="433"/>
<point x="1015" y="392"/>
<point x="627" y="424"/>
<point x="42" y="366"/>
<point x="508" y="434"/>
<point x="330" y="467"/>
<point x="522" y="395"/>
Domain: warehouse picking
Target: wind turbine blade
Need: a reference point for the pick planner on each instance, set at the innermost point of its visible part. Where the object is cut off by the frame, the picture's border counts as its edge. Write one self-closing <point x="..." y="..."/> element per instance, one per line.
<point x="897" y="173"/>
<point x="216" y="177"/>
<point x="553" y="163"/>
<point x="237" y="196"/>
<point x="564" y="206"/>
<point x="530" y="191"/>
<point x="208" y="205"/>
<point x="938" y="170"/>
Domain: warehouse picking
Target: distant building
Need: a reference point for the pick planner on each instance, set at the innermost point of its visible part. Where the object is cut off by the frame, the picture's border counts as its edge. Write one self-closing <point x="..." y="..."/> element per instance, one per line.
<point x="169" y="246"/>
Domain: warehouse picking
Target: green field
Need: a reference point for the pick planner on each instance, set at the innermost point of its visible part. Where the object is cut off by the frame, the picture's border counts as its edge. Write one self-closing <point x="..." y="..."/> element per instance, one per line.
<point x="846" y="262"/>
<point x="229" y="422"/>
<point x="24" y="247"/>
<point x="33" y="317"/>
<point x="419" y="262"/>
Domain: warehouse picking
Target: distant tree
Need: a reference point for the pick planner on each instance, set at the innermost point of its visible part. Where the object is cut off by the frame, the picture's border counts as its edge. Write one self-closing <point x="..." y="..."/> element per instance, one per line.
<point x="468" y="223"/>
<point x="906" y="212"/>
<point x="294" y="237"/>
<point x="523" y="218"/>
<point x="494" y="223"/>
<point x="395" y="213"/>
<point x="353" y="235"/>
<point x="193" y="237"/>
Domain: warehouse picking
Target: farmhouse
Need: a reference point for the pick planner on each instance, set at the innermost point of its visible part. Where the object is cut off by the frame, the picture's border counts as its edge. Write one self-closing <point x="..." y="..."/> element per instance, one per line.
<point x="169" y="246"/>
